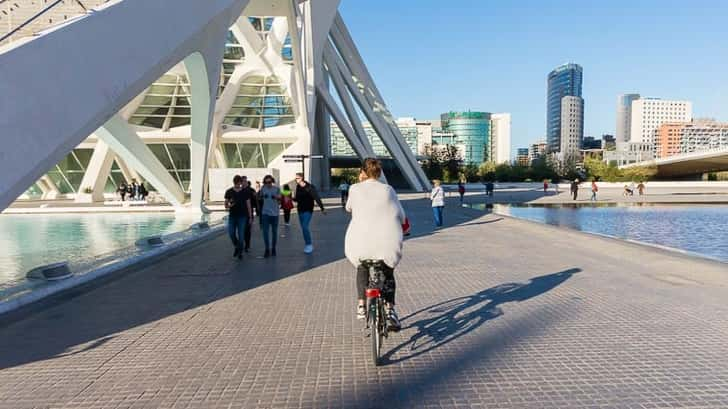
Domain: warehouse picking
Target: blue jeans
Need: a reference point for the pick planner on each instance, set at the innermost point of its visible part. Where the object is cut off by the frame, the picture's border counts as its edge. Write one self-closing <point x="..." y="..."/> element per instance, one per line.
<point x="236" y="229"/>
<point x="437" y="212"/>
<point x="305" y="219"/>
<point x="269" y="222"/>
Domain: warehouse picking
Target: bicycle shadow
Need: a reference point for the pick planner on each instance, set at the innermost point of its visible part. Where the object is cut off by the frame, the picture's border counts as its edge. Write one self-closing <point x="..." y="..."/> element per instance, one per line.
<point x="456" y="317"/>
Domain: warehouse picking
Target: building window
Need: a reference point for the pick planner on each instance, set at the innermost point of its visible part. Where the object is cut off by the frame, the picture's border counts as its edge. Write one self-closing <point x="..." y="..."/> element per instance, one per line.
<point x="261" y="103"/>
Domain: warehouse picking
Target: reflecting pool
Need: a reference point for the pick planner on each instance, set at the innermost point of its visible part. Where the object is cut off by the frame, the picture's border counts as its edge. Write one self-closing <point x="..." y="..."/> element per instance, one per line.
<point x="700" y="229"/>
<point x="31" y="240"/>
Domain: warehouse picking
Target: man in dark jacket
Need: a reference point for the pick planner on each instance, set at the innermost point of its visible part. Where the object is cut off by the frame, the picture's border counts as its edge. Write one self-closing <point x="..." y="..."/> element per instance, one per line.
<point x="306" y="195"/>
<point x="253" y="200"/>
<point x="575" y="188"/>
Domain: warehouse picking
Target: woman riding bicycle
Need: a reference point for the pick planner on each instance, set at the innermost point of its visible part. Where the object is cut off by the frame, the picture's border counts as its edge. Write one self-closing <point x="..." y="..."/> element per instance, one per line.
<point x="374" y="233"/>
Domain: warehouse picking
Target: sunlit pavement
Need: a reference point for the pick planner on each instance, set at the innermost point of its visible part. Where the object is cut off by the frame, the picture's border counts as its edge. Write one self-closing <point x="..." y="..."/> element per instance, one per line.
<point x="496" y="312"/>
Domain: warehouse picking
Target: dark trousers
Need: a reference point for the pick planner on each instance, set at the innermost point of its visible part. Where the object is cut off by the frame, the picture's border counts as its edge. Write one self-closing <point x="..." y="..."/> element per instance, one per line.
<point x="269" y="226"/>
<point x="344" y="197"/>
<point x="236" y="225"/>
<point x="287" y="215"/>
<point x="246" y="235"/>
<point x="390" y="286"/>
<point x="575" y="192"/>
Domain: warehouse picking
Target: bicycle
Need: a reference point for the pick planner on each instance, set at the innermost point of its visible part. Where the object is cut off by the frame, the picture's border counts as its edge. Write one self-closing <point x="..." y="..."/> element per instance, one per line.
<point x="376" y="318"/>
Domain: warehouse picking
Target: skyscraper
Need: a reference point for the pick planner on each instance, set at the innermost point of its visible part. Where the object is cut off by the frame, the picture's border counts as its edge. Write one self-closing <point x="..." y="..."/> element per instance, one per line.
<point x="624" y="117"/>
<point x="572" y="127"/>
<point x="564" y="81"/>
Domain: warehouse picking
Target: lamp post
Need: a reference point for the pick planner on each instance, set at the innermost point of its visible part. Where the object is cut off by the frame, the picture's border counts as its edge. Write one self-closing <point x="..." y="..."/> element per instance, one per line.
<point x="301" y="159"/>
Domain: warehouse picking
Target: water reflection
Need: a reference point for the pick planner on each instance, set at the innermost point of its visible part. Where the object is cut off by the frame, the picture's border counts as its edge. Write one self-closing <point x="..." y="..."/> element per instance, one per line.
<point x="27" y="241"/>
<point x="696" y="228"/>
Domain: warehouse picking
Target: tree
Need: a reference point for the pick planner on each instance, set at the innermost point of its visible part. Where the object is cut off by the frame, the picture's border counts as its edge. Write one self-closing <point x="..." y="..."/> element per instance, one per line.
<point x="486" y="171"/>
<point x="470" y="172"/>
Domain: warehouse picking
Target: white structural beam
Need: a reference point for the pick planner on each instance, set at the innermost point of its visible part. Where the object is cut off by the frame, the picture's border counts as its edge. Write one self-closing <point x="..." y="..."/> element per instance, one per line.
<point x="128" y="48"/>
<point x="48" y="187"/>
<point x="96" y="175"/>
<point x="122" y="139"/>
<point x="345" y="98"/>
<point x="366" y="87"/>
<point x="342" y="123"/>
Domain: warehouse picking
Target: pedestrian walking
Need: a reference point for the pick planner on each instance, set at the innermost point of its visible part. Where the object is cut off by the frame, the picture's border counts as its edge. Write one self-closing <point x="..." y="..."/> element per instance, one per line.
<point x="305" y="198"/>
<point x="594" y="190"/>
<point x="374" y="233"/>
<point x="556" y="186"/>
<point x="270" y="197"/>
<point x="641" y="188"/>
<point x="437" y="196"/>
<point x="286" y="204"/>
<point x="575" y="188"/>
<point x="344" y="190"/>
<point x="247" y="236"/>
<point x="237" y="202"/>
<point x="545" y="186"/>
<point x="461" y="191"/>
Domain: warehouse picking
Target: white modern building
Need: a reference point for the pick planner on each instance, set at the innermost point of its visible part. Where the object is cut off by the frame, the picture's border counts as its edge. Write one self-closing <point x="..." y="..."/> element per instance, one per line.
<point x="230" y="87"/>
<point x="500" y="139"/>
<point x="649" y="113"/>
<point x="624" y="117"/>
<point x="572" y="126"/>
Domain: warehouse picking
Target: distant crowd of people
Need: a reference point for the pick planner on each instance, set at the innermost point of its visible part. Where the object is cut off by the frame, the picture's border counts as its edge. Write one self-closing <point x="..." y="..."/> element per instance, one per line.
<point x="132" y="191"/>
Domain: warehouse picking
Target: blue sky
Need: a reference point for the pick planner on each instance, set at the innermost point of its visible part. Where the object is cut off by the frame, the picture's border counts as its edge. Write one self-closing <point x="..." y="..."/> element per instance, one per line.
<point x="429" y="56"/>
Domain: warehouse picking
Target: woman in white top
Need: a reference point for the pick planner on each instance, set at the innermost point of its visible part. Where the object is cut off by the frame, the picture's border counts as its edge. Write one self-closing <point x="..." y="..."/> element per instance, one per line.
<point x="374" y="233"/>
<point x="437" y="195"/>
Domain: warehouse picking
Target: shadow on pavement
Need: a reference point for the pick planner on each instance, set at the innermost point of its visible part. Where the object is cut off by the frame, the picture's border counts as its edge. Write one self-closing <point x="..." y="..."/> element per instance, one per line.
<point x="449" y="320"/>
<point x="88" y="318"/>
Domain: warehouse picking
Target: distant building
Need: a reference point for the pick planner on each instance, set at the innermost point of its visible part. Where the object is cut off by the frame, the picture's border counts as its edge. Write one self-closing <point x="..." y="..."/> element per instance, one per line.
<point x="563" y="81"/>
<point x="697" y="136"/>
<point x="590" y="142"/>
<point x="500" y="147"/>
<point x="472" y="130"/>
<point x="630" y="152"/>
<point x="522" y="158"/>
<point x="536" y="150"/>
<point x="609" y="142"/>
<point x="407" y="126"/>
<point x="572" y="127"/>
<point x="624" y="117"/>
<point x="649" y="113"/>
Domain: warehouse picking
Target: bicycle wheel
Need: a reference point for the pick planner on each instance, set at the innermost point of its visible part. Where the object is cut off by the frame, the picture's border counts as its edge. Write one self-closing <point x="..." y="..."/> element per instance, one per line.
<point x="376" y="327"/>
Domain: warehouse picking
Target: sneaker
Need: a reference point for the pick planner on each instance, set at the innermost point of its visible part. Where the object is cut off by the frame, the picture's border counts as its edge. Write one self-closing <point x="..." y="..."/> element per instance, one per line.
<point x="393" y="319"/>
<point x="236" y="252"/>
<point x="266" y="254"/>
<point x="361" y="312"/>
<point x="240" y="255"/>
<point x="273" y="252"/>
<point x="308" y="249"/>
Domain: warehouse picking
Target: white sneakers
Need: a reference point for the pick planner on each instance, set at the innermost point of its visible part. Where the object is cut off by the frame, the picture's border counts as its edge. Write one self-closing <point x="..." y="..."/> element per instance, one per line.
<point x="308" y="249"/>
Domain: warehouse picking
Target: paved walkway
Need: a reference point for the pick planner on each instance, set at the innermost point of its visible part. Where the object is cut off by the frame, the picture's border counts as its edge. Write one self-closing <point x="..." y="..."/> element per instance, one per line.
<point x="497" y="312"/>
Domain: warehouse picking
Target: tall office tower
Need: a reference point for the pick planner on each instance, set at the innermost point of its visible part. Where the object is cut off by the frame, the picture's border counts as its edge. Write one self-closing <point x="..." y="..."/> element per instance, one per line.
<point x="500" y="141"/>
<point x="536" y="150"/>
<point x="563" y="81"/>
<point x="649" y="113"/>
<point x="572" y="127"/>
<point x="472" y="131"/>
<point x="624" y="117"/>
<point x="522" y="157"/>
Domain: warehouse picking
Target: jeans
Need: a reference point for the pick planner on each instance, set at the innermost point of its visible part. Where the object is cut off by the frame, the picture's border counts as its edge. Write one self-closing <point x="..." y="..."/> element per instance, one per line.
<point x="305" y="219"/>
<point x="437" y="212"/>
<point x="236" y="229"/>
<point x="248" y="227"/>
<point x="389" y="288"/>
<point x="272" y="223"/>
<point x="594" y="196"/>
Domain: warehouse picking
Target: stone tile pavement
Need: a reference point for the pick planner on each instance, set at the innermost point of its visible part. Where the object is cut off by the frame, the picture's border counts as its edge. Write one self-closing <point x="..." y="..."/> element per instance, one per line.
<point x="497" y="312"/>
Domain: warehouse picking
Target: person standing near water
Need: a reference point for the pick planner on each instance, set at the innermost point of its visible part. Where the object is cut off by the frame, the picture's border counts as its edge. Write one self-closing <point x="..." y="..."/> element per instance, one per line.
<point x="594" y="190"/>
<point x="575" y="188"/>
<point x="461" y="191"/>
<point x="437" y="196"/>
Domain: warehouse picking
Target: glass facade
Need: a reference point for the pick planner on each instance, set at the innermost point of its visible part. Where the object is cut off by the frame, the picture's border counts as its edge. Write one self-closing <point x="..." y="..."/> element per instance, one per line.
<point x="340" y="145"/>
<point x="175" y="157"/>
<point x="68" y="173"/>
<point x="252" y="155"/>
<point x="563" y="81"/>
<point x="261" y="103"/>
<point x="166" y="104"/>
<point x="472" y="131"/>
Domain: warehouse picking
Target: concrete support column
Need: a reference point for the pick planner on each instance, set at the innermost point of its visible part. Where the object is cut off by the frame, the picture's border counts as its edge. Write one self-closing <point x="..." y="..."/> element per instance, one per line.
<point x="122" y="139"/>
<point x="97" y="173"/>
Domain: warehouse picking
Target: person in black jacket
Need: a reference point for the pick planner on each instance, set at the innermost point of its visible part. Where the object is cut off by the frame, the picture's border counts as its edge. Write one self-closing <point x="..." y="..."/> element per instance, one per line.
<point x="248" y="226"/>
<point x="305" y="197"/>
